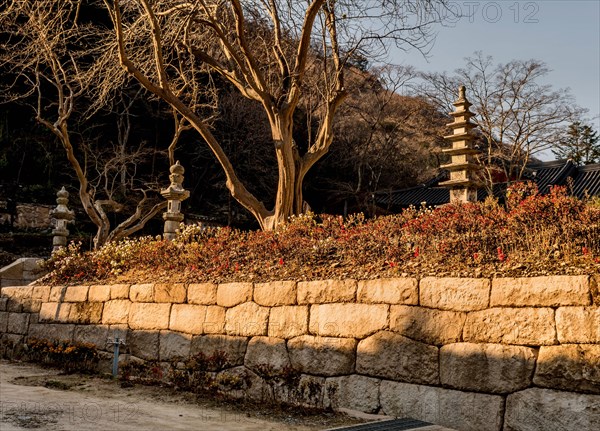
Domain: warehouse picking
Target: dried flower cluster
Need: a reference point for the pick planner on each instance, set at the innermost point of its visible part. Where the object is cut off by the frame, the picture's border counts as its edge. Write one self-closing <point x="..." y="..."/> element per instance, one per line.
<point x="532" y="234"/>
<point x="70" y="356"/>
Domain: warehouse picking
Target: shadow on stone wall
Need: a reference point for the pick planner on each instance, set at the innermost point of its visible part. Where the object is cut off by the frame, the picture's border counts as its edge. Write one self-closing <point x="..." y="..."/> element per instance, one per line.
<point x="470" y="354"/>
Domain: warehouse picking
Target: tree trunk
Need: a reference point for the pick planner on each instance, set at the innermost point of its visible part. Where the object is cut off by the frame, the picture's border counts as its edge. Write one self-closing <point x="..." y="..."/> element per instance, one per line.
<point x="289" y="196"/>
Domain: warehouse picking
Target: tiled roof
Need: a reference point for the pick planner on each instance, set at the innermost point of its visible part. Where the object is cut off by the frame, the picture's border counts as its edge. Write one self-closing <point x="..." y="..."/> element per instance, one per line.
<point x="553" y="173"/>
<point x="587" y="181"/>
<point x="581" y="181"/>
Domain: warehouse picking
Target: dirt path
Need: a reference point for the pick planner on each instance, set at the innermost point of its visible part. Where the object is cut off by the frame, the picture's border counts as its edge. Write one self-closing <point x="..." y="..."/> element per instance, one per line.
<point x="32" y="397"/>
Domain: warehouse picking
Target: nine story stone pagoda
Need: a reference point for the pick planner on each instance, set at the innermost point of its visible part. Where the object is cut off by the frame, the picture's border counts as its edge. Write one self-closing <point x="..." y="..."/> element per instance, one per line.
<point x="462" y="183"/>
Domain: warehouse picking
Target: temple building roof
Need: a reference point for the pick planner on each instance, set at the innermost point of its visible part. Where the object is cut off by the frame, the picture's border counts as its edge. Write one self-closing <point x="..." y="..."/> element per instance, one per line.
<point x="581" y="181"/>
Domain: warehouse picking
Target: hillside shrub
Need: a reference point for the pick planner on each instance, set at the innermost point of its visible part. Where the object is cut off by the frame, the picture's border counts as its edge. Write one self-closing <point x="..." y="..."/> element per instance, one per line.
<point x="532" y="235"/>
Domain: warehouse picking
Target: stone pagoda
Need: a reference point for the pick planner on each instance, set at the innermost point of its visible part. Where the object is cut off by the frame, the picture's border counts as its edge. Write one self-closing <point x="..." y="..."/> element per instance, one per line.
<point x="462" y="183"/>
<point x="61" y="215"/>
<point x="174" y="194"/>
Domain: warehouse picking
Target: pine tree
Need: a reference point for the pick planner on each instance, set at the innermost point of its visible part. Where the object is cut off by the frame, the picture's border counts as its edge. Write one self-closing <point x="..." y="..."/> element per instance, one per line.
<point x="581" y="144"/>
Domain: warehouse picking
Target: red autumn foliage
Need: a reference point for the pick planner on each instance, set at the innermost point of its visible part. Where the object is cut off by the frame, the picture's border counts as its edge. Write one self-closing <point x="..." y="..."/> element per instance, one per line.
<point x="532" y="235"/>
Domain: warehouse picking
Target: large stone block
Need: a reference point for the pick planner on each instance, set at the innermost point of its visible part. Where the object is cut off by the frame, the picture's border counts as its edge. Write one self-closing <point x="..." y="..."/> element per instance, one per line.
<point x="143" y="344"/>
<point x="49" y="331"/>
<point x="266" y="351"/>
<point x="233" y="347"/>
<point x="388" y="291"/>
<point x="35" y="305"/>
<point x="322" y="356"/>
<point x="55" y="312"/>
<point x="41" y="293"/>
<point x="214" y="322"/>
<point x="34" y="317"/>
<point x="310" y="392"/>
<point x="571" y="367"/>
<point x="550" y="291"/>
<point x="172" y="292"/>
<point x="11" y="345"/>
<point x="347" y="320"/>
<point x="275" y="293"/>
<point x="99" y="293"/>
<point x="464" y="411"/>
<point x="119" y="291"/>
<point x="522" y="326"/>
<point x="76" y="294"/>
<point x="549" y="410"/>
<point x="3" y="303"/>
<point x="141" y="293"/>
<point x="247" y="319"/>
<point x="595" y="289"/>
<point x="150" y="316"/>
<point x="578" y="324"/>
<point x="48" y="311"/>
<point x="392" y="356"/>
<point x="326" y="291"/>
<point x="94" y="334"/>
<point x="288" y="321"/>
<point x="57" y="293"/>
<point x="174" y="345"/>
<point x="85" y="312"/>
<point x="18" y="292"/>
<point x="427" y="324"/>
<point x="457" y="294"/>
<point x="352" y="392"/>
<point x="232" y="294"/>
<point x="491" y="368"/>
<point x="18" y="323"/>
<point x="202" y="293"/>
<point x="3" y="321"/>
<point x="116" y="312"/>
<point x="17" y="305"/>
<point x="118" y="331"/>
<point x="188" y="318"/>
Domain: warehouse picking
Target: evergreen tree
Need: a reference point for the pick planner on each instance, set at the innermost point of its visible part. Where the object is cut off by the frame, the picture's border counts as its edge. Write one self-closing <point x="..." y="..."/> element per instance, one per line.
<point x="581" y="144"/>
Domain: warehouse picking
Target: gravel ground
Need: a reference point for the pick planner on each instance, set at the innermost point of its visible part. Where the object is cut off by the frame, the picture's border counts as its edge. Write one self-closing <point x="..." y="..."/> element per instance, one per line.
<point x="32" y="397"/>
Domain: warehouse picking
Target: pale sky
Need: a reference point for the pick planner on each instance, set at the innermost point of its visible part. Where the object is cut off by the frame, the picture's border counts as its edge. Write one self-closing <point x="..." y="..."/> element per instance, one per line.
<point x="564" y="34"/>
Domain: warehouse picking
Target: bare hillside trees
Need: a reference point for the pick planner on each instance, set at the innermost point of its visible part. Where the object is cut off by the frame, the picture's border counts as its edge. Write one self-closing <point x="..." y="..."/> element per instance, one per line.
<point x="54" y="59"/>
<point x="388" y="140"/>
<point x="280" y="54"/>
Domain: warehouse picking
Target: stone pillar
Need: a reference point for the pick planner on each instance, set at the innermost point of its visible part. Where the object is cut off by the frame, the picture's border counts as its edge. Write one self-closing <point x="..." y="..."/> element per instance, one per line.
<point x="174" y="194"/>
<point x="61" y="215"/>
<point x="462" y="183"/>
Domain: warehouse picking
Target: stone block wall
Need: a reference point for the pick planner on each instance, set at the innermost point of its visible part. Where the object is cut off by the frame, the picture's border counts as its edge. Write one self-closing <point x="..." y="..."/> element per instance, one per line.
<point x="21" y="272"/>
<point x="512" y="354"/>
<point x="26" y="216"/>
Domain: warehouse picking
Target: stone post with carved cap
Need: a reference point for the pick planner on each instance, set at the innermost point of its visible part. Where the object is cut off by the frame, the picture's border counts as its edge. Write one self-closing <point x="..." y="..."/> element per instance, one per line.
<point x="174" y="194"/>
<point x="61" y="215"/>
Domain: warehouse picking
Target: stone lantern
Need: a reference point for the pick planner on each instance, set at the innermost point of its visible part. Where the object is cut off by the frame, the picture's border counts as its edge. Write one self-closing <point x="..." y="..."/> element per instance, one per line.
<point x="463" y="184"/>
<point x="61" y="215"/>
<point x="174" y="194"/>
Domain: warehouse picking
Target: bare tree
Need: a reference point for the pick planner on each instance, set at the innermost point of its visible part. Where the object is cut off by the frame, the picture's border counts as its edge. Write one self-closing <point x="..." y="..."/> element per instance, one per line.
<point x="518" y="116"/>
<point x="384" y="140"/>
<point x="274" y="52"/>
<point x="57" y="64"/>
